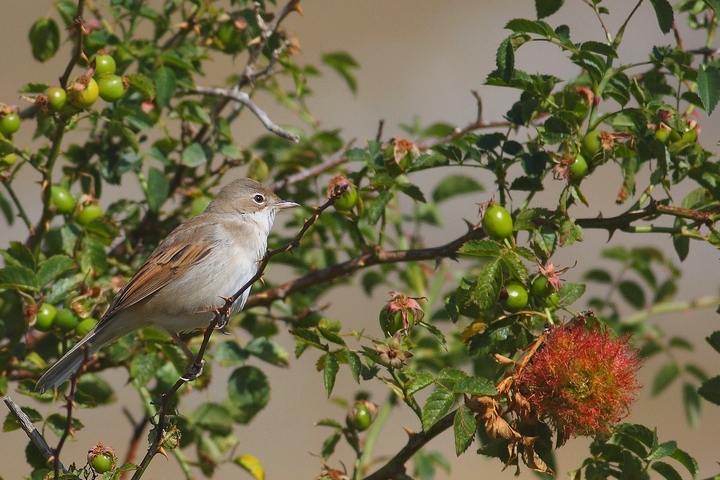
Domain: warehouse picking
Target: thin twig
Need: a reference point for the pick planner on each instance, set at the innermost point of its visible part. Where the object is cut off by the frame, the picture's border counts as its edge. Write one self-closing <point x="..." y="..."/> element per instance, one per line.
<point x="338" y="159"/>
<point x="33" y="434"/>
<point x="244" y="98"/>
<point x="70" y="402"/>
<point x="79" y="28"/>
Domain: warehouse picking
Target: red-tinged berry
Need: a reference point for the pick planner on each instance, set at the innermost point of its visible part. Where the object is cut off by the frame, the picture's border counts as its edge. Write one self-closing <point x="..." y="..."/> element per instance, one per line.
<point x="83" y="92"/>
<point x="582" y="381"/>
<point x="45" y="317"/>
<point x="111" y="88"/>
<point x="9" y="123"/>
<point x="361" y="416"/>
<point x="102" y="459"/>
<point x="497" y="222"/>
<point x="349" y="197"/>
<point x="400" y="314"/>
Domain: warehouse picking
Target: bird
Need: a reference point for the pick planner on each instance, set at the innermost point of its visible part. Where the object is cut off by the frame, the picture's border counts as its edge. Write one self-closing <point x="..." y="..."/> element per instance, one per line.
<point x="204" y="260"/>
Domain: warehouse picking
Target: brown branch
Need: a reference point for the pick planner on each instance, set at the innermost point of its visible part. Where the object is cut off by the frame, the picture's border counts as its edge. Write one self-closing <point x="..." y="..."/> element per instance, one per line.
<point x="338" y="159"/>
<point x="378" y="257"/>
<point x="415" y="442"/>
<point x="79" y="28"/>
<point x="33" y="434"/>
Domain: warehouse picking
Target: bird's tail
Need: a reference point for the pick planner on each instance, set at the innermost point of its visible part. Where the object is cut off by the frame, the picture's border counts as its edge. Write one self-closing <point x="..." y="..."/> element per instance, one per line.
<point x="75" y="358"/>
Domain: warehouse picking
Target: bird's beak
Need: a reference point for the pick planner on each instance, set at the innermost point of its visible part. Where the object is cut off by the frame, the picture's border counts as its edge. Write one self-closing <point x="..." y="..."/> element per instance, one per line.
<point x="283" y="204"/>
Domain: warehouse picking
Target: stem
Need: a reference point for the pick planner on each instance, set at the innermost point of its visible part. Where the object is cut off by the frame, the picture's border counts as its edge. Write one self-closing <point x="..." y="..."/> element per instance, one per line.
<point x="671" y="307"/>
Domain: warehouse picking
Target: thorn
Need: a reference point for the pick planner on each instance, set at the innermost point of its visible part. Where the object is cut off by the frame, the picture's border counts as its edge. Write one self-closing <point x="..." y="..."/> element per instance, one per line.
<point x="409" y="432"/>
<point x="162" y="452"/>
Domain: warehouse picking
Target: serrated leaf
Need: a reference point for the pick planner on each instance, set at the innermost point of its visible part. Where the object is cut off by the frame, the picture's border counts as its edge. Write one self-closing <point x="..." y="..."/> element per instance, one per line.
<point x="488" y="285"/>
<point x="522" y="25"/>
<point x="665" y="376"/>
<point x="328" y="329"/>
<point x="455" y="185"/>
<point x="19" y="254"/>
<point x="329" y="422"/>
<point x="632" y="293"/>
<point x="422" y="380"/>
<point x="251" y="465"/>
<point x="143" y="367"/>
<point x="268" y="351"/>
<point x="662" y="450"/>
<point x="545" y="8"/>
<point x="92" y="391"/>
<point x="330" y="372"/>
<point x="44" y="39"/>
<point x="229" y="354"/>
<point x="505" y="61"/>
<point x="15" y="276"/>
<point x="464" y="426"/>
<point x="515" y="266"/>
<point x="52" y="268"/>
<point x="570" y="292"/>
<point x="57" y="423"/>
<point x="328" y="446"/>
<point x="194" y="155"/>
<point x="686" y="460"/>
<point x="309" y="337"/>
<point x="477" y="386"/>
<point x="355" y="364"/>
<point x="143" y="83"/>
<point x="710" y="390"/>
<point x="376" y="207"/>
<point x="165" y="86"/>
<point x="708" y="83"/>
<point x="248" y="393"/>
<point x="666" y="470"/>
<point x="437" y="406"/>
<point x="664" y="14"/>
<point x="481" y="248"/>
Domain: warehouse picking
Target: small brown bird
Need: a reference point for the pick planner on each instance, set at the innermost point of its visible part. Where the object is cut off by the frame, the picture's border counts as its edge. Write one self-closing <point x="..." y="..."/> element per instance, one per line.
<point x="207" y="257"/>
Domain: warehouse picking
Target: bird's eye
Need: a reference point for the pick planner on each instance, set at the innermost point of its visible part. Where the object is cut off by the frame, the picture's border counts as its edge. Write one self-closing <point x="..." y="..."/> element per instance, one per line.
<point x="259" y="198"/>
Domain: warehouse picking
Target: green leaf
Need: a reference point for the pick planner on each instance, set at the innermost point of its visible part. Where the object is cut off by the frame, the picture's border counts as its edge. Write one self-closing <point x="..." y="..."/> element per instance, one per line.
<point x="11" y="422"/>
<point x="662" y="450"/>
<point x="686" y="460"/>
<point x="355" y="364"/>
<point x="714" y="340"/>
<point x="330" y="372"/>
<point x="93" y="390"/>
<point x="710" y="390"/>
<point x="597" y="275"/>
<point x="522" y="25"/>
<point x="143" y="367"/>
<point x="515" y="266"/>
<point x="455" y="185"/>
<point x="708" y="83"/>
<point x="165" y="86"/>
<point x="328" y="329"/>
<point x="464" y="427"/>
<point x="664" y="13"/>
<point x="692" y="404"/>
<point x="268" y="351"/>
<point x="598" y="47"/>
<point x="488" y="285"/>
<point x="229" y="354"/>
<point x="309" y="337"/>
<point x="632" y="293"/>
<point x="665" y="376"/>
<point x="57" y="423"/>
<point x="328" y="446"/>
<point x="15" y="276"/>
<point x="143" y="83"/>
<point x="545" y="8"/>
<point x="19" y="254"/>
<point x="505" y="61"/>
<point x="52" y="268"/>
<point x="248" y="393"/>
<point x="570" y="292"/>
<point x="343" y="64"/>
<point x="477" y="386"/>
<point x="482" y="248"/>
<point x="44" y="39"/>
<point x="437" y="406"/>
<point x="422" y="380"/>
<point x="666" y="470"/>
<point x="194" y="155"/>
<point x="329" y="422"/>
<point x="213" y="418"/>
<point x="158" y="189"/>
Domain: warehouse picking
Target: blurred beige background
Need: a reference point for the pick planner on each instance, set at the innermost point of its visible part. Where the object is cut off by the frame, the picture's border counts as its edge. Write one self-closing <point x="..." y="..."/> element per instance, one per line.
<point x="417" y="58"/>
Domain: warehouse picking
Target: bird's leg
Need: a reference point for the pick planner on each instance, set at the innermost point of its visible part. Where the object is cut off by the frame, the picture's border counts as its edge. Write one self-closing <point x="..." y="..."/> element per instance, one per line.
<point x="223" y="313"/>
<point x="195" y="369"/>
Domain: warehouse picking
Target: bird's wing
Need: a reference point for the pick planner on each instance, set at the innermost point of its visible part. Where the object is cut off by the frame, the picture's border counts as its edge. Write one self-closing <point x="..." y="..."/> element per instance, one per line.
<point x="163" y="265"/>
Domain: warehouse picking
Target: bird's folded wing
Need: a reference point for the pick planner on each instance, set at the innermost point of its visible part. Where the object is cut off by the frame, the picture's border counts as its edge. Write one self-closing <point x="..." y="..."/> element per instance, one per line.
<point x="159" y="270"/>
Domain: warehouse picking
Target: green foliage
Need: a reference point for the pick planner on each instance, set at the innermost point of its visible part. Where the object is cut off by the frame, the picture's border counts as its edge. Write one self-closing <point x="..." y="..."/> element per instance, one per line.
<point x="174" y="135"/>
